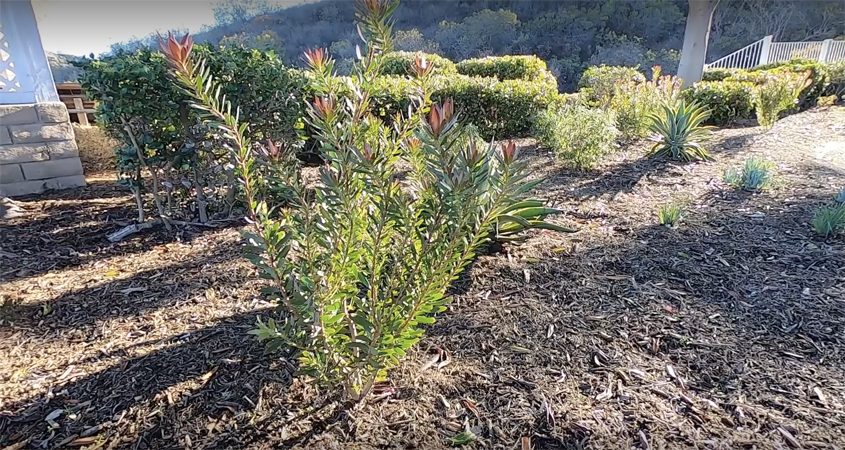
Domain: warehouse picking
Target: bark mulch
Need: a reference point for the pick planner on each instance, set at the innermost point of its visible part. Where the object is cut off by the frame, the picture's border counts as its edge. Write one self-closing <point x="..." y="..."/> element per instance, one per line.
<point x="725" y="332"/>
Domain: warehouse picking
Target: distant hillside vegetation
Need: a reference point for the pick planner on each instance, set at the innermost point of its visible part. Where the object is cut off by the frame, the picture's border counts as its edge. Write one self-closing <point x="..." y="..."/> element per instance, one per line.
<point x="569" y="35"/>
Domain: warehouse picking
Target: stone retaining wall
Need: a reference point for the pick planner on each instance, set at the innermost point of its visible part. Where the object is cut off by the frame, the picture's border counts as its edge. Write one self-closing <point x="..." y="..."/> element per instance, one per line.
<point x="37" y="149"/>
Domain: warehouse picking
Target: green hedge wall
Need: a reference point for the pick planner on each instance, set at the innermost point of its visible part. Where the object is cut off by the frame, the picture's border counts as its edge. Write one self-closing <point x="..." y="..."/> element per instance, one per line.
<point x="509" y="67"/>
<point x="500" y="109"/>
<point x="399" y="63"/>
<point x="728" y="100"/>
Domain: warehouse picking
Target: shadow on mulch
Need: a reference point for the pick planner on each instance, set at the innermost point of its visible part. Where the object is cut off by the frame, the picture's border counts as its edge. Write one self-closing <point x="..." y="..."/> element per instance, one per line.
<point x="84" y="309"/>
<point x="70" y="228"/>
<point x="201" y="379"/>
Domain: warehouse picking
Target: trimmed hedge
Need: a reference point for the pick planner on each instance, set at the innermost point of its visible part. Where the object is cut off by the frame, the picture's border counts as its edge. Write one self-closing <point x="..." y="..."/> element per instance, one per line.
<point x="719" y="74"/>
<point x="399" y="63"/>
<point x="509" y="67"/>
<point x="499" y="109"/>
<point x="728" y="100"/>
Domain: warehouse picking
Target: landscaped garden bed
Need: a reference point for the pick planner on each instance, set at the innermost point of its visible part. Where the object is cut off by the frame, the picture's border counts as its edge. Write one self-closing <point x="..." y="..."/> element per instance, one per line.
<point x="725" y="331"/>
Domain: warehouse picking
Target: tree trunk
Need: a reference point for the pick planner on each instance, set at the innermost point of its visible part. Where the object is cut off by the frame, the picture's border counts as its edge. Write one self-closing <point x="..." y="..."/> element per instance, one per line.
<point x="696" y="34"/>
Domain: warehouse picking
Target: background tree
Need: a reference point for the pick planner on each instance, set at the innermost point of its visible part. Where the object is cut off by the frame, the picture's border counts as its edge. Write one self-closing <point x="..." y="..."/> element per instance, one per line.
<point x="696" y="35"/>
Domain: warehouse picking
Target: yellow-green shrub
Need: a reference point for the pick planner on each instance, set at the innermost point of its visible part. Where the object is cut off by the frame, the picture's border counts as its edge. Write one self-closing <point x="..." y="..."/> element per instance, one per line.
<point x="578" y="135"/>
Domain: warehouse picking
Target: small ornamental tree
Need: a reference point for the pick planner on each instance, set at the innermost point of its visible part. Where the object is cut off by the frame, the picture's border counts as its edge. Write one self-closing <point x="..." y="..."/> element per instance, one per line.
<point x="361" y="267"/>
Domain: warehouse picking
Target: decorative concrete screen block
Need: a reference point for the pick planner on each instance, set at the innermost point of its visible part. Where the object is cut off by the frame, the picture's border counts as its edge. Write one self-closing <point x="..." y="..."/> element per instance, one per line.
<point x="18" y="114"/>
<point x="37" y="148"/>
<point x="54" y="112"/>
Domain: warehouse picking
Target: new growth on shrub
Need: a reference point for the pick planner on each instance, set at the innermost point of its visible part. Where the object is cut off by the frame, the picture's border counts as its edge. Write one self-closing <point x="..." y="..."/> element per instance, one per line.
<point x="755" y="175"/>
<point x="680" y="132"/>
<point x="578" y="135"/>
<point x="401" y="209"/>
<point x="634" y="102"/>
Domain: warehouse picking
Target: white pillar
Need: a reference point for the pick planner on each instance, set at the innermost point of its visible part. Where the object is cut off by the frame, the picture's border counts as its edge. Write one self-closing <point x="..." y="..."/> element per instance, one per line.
<point x="25" y="75"/>
<point x="765" y="47"/>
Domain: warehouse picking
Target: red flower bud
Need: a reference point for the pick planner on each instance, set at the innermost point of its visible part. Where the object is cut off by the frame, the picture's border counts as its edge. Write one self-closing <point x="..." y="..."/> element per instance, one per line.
<point x="420" y="66"/>
<point x="324" y="106"/>
<point x="440" y="115"/>
<point x="177" y="53"/>
<point x="509" y="152"/>
<point x="316" y="58"/>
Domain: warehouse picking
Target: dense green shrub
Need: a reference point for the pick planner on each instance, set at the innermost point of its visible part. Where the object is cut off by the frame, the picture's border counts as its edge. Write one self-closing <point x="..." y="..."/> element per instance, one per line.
<point x="728" y="101"/>
<point x="399" y="63"/>
<point x="755" y="175"/>
<point x="836" y="80"/>
<point x="719" y="74"/>
<point x="360" y="269"/>
<point x="509" y="67"/>
<point x="137" y="105"/>
<point x="680" y="131"/>
<point x="598" y="83"/>
<point x="500" y="109"/>
<point x="578" y="135"/>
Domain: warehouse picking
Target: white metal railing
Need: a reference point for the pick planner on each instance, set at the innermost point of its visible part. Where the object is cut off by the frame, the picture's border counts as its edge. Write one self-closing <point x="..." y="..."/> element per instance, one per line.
<point x="765" y="51"/>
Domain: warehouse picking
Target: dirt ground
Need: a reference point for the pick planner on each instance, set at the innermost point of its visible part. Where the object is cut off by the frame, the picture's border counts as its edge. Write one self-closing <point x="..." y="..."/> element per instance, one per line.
<point x="727" y="332"/>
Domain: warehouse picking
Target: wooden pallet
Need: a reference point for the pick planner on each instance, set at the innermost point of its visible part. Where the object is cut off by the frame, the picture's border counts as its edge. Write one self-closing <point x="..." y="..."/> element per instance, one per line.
<point x="81" y="109"/>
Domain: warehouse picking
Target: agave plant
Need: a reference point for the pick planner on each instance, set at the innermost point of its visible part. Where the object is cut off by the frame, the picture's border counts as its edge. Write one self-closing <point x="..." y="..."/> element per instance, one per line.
<point x="680" y="131"/>
<point x="756" y="175"/>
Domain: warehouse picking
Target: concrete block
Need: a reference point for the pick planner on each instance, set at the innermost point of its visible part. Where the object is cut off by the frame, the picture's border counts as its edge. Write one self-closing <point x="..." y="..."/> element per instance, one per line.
<point x="26" y="134"/>
<point x="51" y="169"/>
<point x="18" y="114"/>
<point x="5" y="137"/>
<point x="39" y="186"/>
<point x="11" y="173"/>
<point x="18" y="153"/>
<point x="53" y="112"/>
<point x="63" y="149"/>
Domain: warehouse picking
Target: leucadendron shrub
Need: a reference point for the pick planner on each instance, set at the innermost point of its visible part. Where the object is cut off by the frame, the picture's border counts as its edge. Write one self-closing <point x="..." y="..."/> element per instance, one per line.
<point x="776" y="94"/>
<point x="401" y="208"/>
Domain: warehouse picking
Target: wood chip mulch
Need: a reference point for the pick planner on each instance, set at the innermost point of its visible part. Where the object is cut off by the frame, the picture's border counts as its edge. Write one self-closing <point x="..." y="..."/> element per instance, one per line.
<point x="725" y="332"/>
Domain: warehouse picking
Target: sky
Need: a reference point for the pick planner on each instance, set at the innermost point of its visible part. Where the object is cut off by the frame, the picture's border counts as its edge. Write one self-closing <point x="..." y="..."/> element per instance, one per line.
<point x="80" y="27"/>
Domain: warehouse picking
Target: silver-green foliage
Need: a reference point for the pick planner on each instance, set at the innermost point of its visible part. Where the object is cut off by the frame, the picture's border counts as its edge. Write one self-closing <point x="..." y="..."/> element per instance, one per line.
<point x="840" y="196"/>
<point x="755" y="175"/>
<point x="829" y="220"/>
<point x="578" y="135"/>
<point x="680" y="132"/>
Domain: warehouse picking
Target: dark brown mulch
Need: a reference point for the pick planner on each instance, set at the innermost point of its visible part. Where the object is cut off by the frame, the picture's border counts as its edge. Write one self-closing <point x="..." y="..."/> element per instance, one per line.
<point x="725" y="332"/>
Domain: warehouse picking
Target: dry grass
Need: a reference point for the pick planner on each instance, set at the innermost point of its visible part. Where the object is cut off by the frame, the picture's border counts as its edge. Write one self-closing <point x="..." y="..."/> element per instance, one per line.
<point x="96" y="149"/>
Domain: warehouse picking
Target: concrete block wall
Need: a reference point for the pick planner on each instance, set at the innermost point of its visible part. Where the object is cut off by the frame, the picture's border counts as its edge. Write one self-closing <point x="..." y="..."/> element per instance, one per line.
<point x="37" y="149"/>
